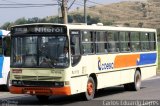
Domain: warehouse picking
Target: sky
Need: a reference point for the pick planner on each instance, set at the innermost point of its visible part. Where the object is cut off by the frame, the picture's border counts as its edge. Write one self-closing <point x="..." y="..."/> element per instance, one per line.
<point x="11" y="14"/>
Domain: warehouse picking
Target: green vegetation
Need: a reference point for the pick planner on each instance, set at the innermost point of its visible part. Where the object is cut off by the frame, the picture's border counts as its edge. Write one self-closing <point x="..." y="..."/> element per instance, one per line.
<point x="74" y="18"/>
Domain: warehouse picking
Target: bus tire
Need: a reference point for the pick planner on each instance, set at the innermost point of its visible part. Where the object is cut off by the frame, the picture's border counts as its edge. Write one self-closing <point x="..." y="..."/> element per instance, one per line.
<point x="42" y="98"/>
<point x="90" y="92"/>
<point x="136" y="85"/>
<point x="6" y="87"/>
<point x="137" y="81"/>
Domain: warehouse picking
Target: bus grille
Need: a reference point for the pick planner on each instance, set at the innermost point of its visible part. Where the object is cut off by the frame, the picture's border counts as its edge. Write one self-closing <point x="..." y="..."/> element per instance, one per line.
<point x="36" y="77"/>
<point x="37" y="83"/>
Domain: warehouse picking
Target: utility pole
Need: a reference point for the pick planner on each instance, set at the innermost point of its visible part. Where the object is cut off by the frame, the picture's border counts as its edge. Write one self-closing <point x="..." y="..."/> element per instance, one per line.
<point x="64" y="11"/>
<point x="59" y="11"/>
<point x="85" y="13"/>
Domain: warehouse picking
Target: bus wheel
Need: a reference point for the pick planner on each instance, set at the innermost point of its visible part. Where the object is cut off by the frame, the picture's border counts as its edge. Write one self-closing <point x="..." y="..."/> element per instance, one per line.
<point x="89" y="94"/>
<point x="42" y="98"/>
<point x="137" y="81"/>
<point x="136" y="85"/>
<point x="8" y="83"/>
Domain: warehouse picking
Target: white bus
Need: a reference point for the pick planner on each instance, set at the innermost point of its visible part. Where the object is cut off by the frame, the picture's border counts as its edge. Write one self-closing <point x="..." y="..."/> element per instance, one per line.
<point x="53" y="59"/>
<point x="4" y="57"/>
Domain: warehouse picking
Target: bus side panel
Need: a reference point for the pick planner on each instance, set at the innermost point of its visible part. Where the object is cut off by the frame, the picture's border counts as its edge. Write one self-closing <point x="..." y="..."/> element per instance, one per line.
<point x="80" y="73"/>
<point x="106" y="75"/>
<point x="127" y="76"/>
<point x="147" y="72"/>
<point x="5" y="66"/>
<point x="78" y="84"/>
<point x="117" y="77"/>
<point x="108" y="79"/>
<point x="1" y="65"/>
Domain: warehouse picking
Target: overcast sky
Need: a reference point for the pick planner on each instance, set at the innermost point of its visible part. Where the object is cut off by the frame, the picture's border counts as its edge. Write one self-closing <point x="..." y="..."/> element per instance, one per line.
<point x="11" y="14"/>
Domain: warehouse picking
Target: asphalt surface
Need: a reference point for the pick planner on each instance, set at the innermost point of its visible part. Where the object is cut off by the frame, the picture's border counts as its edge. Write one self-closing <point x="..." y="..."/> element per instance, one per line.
<point x="149" y="95"/>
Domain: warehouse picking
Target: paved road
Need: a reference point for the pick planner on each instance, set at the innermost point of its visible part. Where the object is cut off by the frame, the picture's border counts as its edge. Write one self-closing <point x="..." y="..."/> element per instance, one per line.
<point x="150" y="92"/>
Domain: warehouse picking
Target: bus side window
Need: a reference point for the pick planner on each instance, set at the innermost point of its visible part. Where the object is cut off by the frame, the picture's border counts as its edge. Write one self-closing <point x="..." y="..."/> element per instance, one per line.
<point x="111" y="42"/>
<point x="135" y="41"/>
<point x="75" y="49"/>
<point x="125" y="45"/>
<point x="88" y="42"/>
<point x="6" y="46"/>
<point x="152" y="41"/>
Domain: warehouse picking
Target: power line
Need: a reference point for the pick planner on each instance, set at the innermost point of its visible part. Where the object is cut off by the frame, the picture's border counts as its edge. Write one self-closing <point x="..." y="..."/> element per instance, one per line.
<point x="88" y="6"/>
<point x="71" y="4"/>
<point x="23" y="7"/>
<point x="27" y="6"/>
<point x="20" y="5"/>
<point x="9" y="1"/>
<point x="82" y="4"/>
<point x="95" y="2"/>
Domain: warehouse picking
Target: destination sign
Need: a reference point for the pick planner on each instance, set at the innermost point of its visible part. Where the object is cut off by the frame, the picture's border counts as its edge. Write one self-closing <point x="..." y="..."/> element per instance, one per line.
<point x="39" y="29"/>
<point x="49" y="29"/>
<point x="21" y="30"/>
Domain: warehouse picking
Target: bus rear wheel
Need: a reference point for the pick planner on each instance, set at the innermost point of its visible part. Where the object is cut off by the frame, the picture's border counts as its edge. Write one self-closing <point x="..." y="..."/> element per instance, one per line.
<point x="136" y="85"/>
<point x="90" y="92"/>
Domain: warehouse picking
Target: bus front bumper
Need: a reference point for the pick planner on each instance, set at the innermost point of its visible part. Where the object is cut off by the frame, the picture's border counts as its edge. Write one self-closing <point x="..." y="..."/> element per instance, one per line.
<point x="41" y="90"/>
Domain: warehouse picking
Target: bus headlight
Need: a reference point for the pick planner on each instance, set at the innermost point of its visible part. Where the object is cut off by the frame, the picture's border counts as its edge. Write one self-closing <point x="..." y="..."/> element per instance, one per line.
<point x="16" y="82"/>
<point x="59" y="84"/>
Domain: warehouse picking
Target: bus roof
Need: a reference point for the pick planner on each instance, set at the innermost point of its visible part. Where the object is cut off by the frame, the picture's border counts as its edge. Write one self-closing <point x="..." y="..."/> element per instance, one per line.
<point x="93" y="27"/>
<point x="4" y="32"/>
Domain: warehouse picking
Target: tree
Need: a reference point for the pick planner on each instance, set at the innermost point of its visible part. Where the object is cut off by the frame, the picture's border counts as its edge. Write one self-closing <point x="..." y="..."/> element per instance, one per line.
<point x="7" y="26"/>
<point x="92" y="20"/>
<point x="21" y="21"/>
<point x="78" y="18"/>
<point x="33" y="20"/>
<point x="70" y="18"/>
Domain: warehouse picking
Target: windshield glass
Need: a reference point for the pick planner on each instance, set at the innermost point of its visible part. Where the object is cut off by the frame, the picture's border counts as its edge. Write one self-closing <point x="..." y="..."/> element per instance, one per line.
<point x="40" y="51"/>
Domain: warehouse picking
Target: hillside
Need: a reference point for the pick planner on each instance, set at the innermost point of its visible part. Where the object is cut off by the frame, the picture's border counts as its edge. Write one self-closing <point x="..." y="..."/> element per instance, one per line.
<point x="130" y="13"/>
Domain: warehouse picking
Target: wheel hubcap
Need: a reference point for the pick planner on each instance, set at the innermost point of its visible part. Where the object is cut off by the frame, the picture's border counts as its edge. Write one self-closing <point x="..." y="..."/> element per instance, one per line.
<point x="90" y="88"/>
<point x="138" y="81"/>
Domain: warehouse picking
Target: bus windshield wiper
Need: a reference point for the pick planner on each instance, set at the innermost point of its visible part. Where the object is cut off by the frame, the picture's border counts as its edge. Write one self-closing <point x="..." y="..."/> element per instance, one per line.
<point x="47" y="62"/>
<point x="50" y="63"/>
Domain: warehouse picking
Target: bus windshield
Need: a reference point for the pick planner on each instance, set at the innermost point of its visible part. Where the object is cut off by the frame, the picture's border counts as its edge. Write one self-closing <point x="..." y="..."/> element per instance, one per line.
<point x="40" y="51"/>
